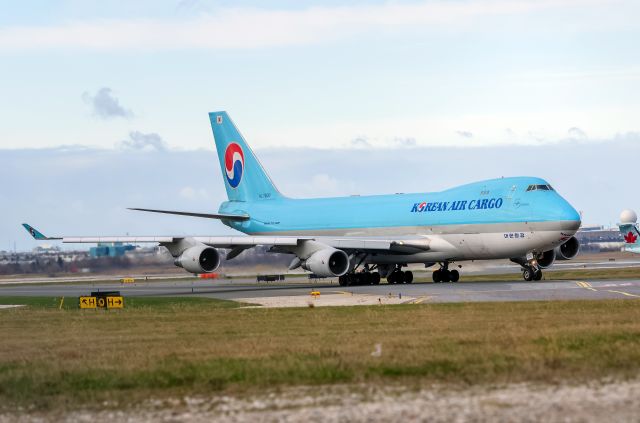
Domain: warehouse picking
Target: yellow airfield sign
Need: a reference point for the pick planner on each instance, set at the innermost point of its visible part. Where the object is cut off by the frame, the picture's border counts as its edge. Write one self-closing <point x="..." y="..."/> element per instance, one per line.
<point x="115" y="302"/>
<point x="94" y="301"/>
<point x="87" y="302"/>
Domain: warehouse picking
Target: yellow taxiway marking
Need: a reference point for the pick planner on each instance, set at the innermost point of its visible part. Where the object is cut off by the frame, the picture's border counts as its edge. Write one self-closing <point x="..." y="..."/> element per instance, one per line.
<point x="421" y="299"/>
<point x="585" y="285"/>
<point x="343" y="292"/>
<point x="624" y="293"/>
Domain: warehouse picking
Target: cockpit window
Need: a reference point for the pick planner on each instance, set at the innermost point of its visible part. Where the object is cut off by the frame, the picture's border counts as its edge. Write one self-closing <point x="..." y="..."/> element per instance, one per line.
<point x="539" y="188"/>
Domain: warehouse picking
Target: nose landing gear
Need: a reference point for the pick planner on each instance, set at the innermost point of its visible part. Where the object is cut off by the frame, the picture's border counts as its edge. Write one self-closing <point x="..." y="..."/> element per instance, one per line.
<point x="531" y="270"/>
<point x="531" y="273"/>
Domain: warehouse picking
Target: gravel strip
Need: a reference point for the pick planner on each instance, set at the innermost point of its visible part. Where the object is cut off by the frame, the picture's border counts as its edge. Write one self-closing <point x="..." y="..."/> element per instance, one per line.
<point x="593" y="402"/>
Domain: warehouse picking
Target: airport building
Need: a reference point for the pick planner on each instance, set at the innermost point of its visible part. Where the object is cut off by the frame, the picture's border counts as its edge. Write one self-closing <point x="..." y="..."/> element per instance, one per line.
<point x="595" y="239"/>
<point x="113" y="249"/>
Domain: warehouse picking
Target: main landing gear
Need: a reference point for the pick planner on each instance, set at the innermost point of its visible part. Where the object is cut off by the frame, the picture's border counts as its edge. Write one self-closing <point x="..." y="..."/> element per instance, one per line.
<point x="398" y="276"/>
<point x="366" y="276"/>
<point x="531" y="273"/>
<point x="359" y="278"/>
<point x="445" y="275"/>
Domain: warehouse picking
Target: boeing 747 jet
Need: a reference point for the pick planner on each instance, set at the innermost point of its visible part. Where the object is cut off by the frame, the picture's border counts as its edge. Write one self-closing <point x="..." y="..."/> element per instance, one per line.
<point x="363" y="239"/>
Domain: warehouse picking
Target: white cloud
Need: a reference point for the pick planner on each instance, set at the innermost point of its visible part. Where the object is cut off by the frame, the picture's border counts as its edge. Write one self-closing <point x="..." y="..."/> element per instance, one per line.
<point x="533" y="128"/>
<point x="254" y="28"/>
<point x="577" y="133"/>
<point x="105" y="105"/>
<point x="143" y="142"/>
<point x="319" y="185"/>
<point x="360" y="142"/>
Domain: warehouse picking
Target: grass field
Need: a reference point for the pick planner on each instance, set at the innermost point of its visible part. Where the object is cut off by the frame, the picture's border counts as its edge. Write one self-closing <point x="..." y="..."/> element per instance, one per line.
<point x="51" y="358"/>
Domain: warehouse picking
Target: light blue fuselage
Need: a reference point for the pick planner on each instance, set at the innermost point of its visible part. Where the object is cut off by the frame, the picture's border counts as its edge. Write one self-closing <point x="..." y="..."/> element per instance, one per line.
<point x="497" y="218"/>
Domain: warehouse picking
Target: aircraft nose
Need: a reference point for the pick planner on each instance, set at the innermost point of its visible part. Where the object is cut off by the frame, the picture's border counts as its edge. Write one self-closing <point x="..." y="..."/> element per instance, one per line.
<point x="557" y="209"/>
<point x="563" y="211"/>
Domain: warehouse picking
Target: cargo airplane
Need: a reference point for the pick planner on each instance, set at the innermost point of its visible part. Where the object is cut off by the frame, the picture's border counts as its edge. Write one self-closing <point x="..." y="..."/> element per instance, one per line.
<point x="362" y="239"/>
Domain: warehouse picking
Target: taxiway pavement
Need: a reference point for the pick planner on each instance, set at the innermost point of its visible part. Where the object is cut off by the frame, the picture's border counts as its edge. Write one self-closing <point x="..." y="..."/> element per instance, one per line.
<point x="297" y="293"/>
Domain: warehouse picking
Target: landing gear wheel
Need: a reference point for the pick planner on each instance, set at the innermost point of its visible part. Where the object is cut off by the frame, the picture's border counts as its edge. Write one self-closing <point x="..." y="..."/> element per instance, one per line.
<point x="528" y="274"/>
<point x="342" y="280"/>
<point x="408" y="276"/>
<point x="446" y="276"/>
<point x="437" y="276"/>
<point x="454" y="275"/>
<point x="537" y="276"/>
<point x="349" y="280"/>
<point x="375" y="278"/>
<point x="397" y="276"/>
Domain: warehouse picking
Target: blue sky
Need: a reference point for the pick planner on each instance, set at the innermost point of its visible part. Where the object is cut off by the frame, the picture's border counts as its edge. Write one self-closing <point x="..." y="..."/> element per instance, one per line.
<point x="321" y="73"/>
<point x="347" y="77"/>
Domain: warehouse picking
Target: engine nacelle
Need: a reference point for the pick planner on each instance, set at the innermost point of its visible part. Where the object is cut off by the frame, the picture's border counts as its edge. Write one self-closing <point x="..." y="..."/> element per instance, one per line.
<point x="546" y="259"/>
<point x="198" y="259"/>
<point x="327" y="262"/>
<point x="569" y="250"/>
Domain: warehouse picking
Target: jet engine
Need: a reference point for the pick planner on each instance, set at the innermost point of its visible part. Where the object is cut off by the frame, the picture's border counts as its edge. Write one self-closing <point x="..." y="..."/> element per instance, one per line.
<point x="546" y="259"/>
<point x="327" y="262"/>
<point x="569" y="250"/>
<point x="198" y="259"/>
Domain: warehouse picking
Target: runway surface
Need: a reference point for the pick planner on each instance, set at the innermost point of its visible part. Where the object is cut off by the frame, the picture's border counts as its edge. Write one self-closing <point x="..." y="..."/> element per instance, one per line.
<point x="494" y="267"/>
<point x="411" y="293"/>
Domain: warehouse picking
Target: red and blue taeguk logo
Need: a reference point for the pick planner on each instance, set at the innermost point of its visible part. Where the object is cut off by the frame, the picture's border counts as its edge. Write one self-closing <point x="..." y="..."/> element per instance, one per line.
<point x="234" y="164"/>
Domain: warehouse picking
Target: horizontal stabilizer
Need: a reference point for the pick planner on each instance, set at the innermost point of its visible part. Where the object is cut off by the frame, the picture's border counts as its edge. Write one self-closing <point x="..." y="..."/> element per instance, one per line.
<point x="222" y="216"/>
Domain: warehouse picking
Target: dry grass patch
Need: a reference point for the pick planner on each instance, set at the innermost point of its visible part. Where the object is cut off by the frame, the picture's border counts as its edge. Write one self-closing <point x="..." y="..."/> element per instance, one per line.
<point x="52" y="357"/>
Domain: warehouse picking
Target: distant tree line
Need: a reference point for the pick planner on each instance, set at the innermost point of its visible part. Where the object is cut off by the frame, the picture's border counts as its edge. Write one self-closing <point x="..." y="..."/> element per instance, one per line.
<point x="52" y="265"/>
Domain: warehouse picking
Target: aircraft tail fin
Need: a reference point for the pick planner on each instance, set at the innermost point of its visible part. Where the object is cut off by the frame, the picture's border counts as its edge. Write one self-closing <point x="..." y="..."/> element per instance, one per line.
<point x="36" y="234"/>
<point x="244" y="177"/>
<point x="629" y="231"/>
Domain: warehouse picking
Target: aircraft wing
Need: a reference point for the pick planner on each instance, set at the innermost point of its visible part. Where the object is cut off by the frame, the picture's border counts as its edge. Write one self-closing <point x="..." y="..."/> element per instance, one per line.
<point x="362" y="244"/>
